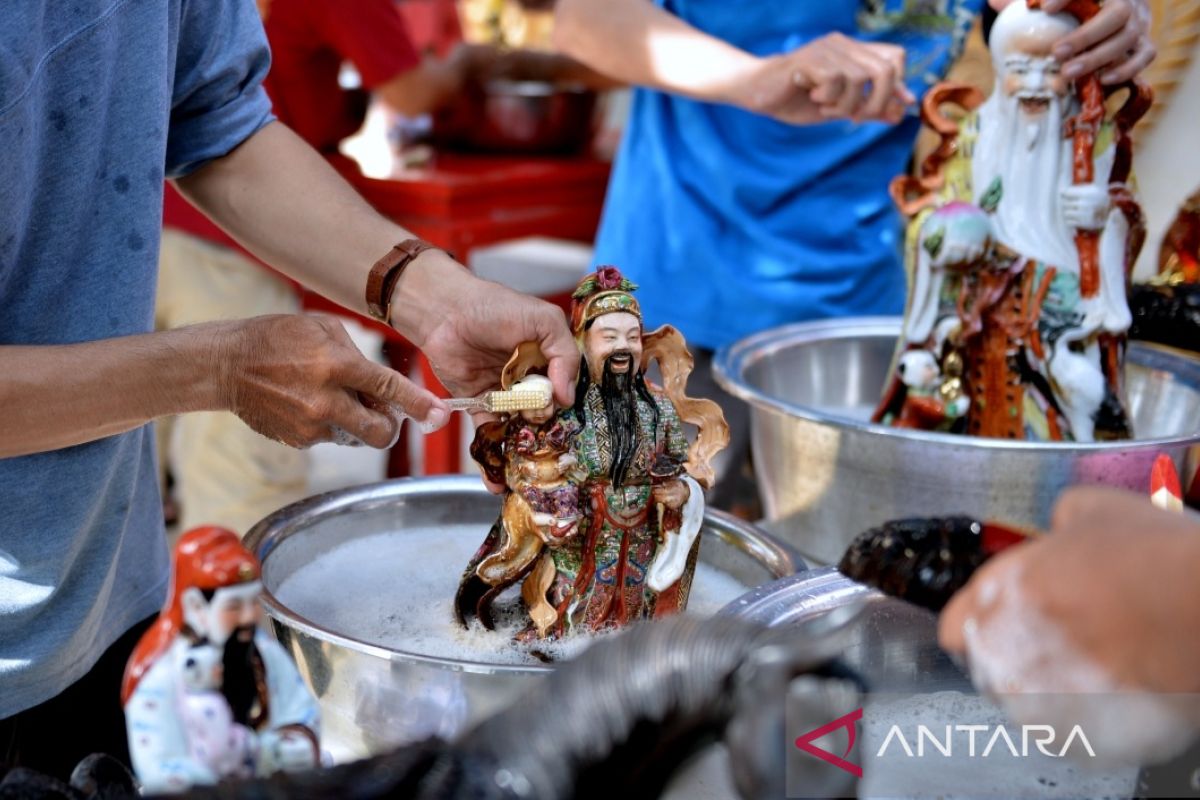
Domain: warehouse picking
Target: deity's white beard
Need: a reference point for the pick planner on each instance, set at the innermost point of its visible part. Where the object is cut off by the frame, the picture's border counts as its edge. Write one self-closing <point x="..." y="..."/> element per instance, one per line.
<point x="1034" y="164"/>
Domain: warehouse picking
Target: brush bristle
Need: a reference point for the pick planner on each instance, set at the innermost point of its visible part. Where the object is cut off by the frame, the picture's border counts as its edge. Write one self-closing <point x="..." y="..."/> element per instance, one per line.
<point x="517" y="400"/>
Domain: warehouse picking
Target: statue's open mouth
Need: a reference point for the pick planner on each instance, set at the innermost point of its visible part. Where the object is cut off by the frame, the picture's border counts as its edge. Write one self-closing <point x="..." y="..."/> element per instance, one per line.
<point x="1035" y="105"/>
<point x="620" y="362"/>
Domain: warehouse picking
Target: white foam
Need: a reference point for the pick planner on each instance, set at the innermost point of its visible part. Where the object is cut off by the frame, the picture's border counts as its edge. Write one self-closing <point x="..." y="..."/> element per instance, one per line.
<point x="396" y="590"/>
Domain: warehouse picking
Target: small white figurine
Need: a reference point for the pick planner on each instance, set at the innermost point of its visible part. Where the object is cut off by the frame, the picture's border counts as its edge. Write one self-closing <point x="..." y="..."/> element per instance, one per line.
<point x="208" y="695"/>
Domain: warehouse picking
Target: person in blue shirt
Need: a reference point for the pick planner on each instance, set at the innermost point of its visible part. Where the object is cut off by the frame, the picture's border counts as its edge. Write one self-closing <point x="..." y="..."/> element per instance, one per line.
<point x="750" y="189"/>
<point x="99" y="101"/>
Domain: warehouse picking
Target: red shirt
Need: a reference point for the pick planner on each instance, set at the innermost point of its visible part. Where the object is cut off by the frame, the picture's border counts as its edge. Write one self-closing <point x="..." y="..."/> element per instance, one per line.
<point x="310" y="39"/>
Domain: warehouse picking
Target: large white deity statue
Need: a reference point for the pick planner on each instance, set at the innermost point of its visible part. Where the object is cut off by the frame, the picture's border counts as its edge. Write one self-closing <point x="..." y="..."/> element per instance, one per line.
<point x="1022" y="237"/>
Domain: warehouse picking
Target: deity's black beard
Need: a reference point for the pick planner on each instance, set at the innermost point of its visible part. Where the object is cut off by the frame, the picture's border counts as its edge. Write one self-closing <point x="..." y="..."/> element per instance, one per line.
<point x="620" y="410"/>
<point x="239" y="684"/>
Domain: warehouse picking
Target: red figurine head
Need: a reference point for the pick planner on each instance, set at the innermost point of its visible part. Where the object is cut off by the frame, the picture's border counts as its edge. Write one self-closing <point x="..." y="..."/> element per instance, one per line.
<point x="214" y="591"/>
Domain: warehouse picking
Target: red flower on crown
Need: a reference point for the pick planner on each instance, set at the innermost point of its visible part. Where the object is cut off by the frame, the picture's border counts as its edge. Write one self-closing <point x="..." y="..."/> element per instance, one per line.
<point x="608" y="278"/>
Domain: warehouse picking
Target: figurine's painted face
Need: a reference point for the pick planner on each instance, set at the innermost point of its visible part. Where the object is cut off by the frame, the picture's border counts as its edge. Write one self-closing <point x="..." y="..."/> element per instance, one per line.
<point x="919" y="370"/>
<point x="202" y="668"/>
<point x="539" y="416"/>
<point x="614" y="339"/>
<point x="1033" y="81"/>
<point x="1029" y="72"/>
<point x="232" y="610"/>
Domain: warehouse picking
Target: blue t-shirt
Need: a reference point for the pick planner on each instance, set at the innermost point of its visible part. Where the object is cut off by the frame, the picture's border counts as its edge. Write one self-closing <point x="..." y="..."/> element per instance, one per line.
<point x="99" y="99"/>
<point x="731" y="222"/>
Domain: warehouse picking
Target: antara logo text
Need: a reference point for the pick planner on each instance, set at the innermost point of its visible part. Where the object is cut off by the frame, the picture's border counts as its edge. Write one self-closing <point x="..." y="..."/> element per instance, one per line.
<point x="978" y="741"/>
<point x="1043" y="738"/>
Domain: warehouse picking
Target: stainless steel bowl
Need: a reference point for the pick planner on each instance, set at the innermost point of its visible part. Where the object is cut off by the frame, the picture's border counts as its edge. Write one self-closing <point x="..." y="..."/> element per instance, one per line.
<point x="826" y="473"/>
<point x="519" y="116"/>
<point x="373" y="698"/>
<point x="891" y="643"/>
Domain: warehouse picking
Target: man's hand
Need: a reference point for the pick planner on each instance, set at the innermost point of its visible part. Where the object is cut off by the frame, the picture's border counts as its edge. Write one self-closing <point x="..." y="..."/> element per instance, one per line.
<point x="1115" y="42"/>
<point x="1085" y="207"/>
<point x="295" y="378"/>
<point x="468" y="328"/>
<point x="1112" y="590"/>
<point x="832" y="77"/>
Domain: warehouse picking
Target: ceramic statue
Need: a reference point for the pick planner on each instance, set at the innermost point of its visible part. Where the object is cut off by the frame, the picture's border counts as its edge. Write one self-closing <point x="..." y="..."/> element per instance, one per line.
<point x="603" y="500"/>
<point x="207" y="695"/>
<point x="1023" y="232"/>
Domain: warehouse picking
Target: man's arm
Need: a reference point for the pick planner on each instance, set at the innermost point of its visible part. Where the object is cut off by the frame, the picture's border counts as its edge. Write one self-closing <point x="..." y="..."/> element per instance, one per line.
<point x="637" y="42"/>
<point x="285" y="204"/>
<point x="427" y="87"/>
<point x="289" y="377"/>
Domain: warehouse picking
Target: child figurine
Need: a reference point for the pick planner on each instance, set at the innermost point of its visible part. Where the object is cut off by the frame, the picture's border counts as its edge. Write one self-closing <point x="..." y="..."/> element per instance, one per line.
<point x="213" y="738"/>
<point x="529" y="452"/>
<point x="207" y="695"/>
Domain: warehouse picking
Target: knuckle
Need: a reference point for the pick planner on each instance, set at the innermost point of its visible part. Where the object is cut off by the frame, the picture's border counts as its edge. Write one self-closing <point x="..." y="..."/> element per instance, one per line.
<point x="314" y="410"/>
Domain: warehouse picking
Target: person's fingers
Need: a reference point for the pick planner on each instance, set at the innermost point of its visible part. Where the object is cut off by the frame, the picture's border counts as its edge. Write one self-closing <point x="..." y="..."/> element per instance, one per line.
<point x="389" y="386"/>
<point x="561" y="352"/>
<point x="1082" y="508"/>
<point x="953" y="617"/>
<point x="895" y="111"/>
<point x="826" y="79"/>
<point x="1111" y="18"/>
<point x="370" y="427"/>
<point x="855" y="94"/>
<point x="1109" y="52"/>
<point x="883" y="78"/>
<point x="1143" y="55"/>
<point x="999" y="5"/>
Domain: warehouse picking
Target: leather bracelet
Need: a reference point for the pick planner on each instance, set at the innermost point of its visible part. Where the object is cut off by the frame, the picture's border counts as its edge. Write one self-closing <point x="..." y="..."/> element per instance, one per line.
<point x="382" y="278"/>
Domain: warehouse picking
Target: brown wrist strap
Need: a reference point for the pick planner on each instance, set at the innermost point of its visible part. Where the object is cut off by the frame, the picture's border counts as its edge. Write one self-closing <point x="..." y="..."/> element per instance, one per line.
<point x="387" y="271"/>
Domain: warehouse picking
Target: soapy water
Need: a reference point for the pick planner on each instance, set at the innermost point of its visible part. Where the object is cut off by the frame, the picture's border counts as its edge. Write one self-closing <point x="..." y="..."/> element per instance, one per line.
<point x="396" y="590"/>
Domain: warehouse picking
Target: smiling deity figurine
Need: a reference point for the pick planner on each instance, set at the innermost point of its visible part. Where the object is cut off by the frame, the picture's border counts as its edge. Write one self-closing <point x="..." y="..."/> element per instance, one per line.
<point x="631" y="552"/>
<point x="1023" y="235"/>
<point x="207" y="695"/>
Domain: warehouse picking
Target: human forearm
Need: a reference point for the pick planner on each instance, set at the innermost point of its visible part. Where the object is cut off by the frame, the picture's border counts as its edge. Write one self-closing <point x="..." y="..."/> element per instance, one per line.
<point x="284" y="203"/>
<point x="292" y="378"/>
<point x="422" y="90"/>
<point x="637" y="42"/>
<point x="830" y="77"/>
<point x="63" y="395"/>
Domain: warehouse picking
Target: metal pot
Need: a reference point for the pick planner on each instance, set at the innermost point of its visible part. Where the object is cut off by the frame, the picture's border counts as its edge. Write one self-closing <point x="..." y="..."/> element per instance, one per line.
<point x="373" y="698"/>
<point x="825" y="473"/>
<point x="519" y="116"/>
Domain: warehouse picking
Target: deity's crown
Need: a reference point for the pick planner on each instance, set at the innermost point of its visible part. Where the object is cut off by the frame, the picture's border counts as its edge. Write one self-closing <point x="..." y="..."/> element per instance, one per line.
<point x="605" y="291"/>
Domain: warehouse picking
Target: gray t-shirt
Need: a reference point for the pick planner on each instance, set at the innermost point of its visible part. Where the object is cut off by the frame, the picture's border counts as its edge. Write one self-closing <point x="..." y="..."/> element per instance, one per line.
<point x="98" y="100"/>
